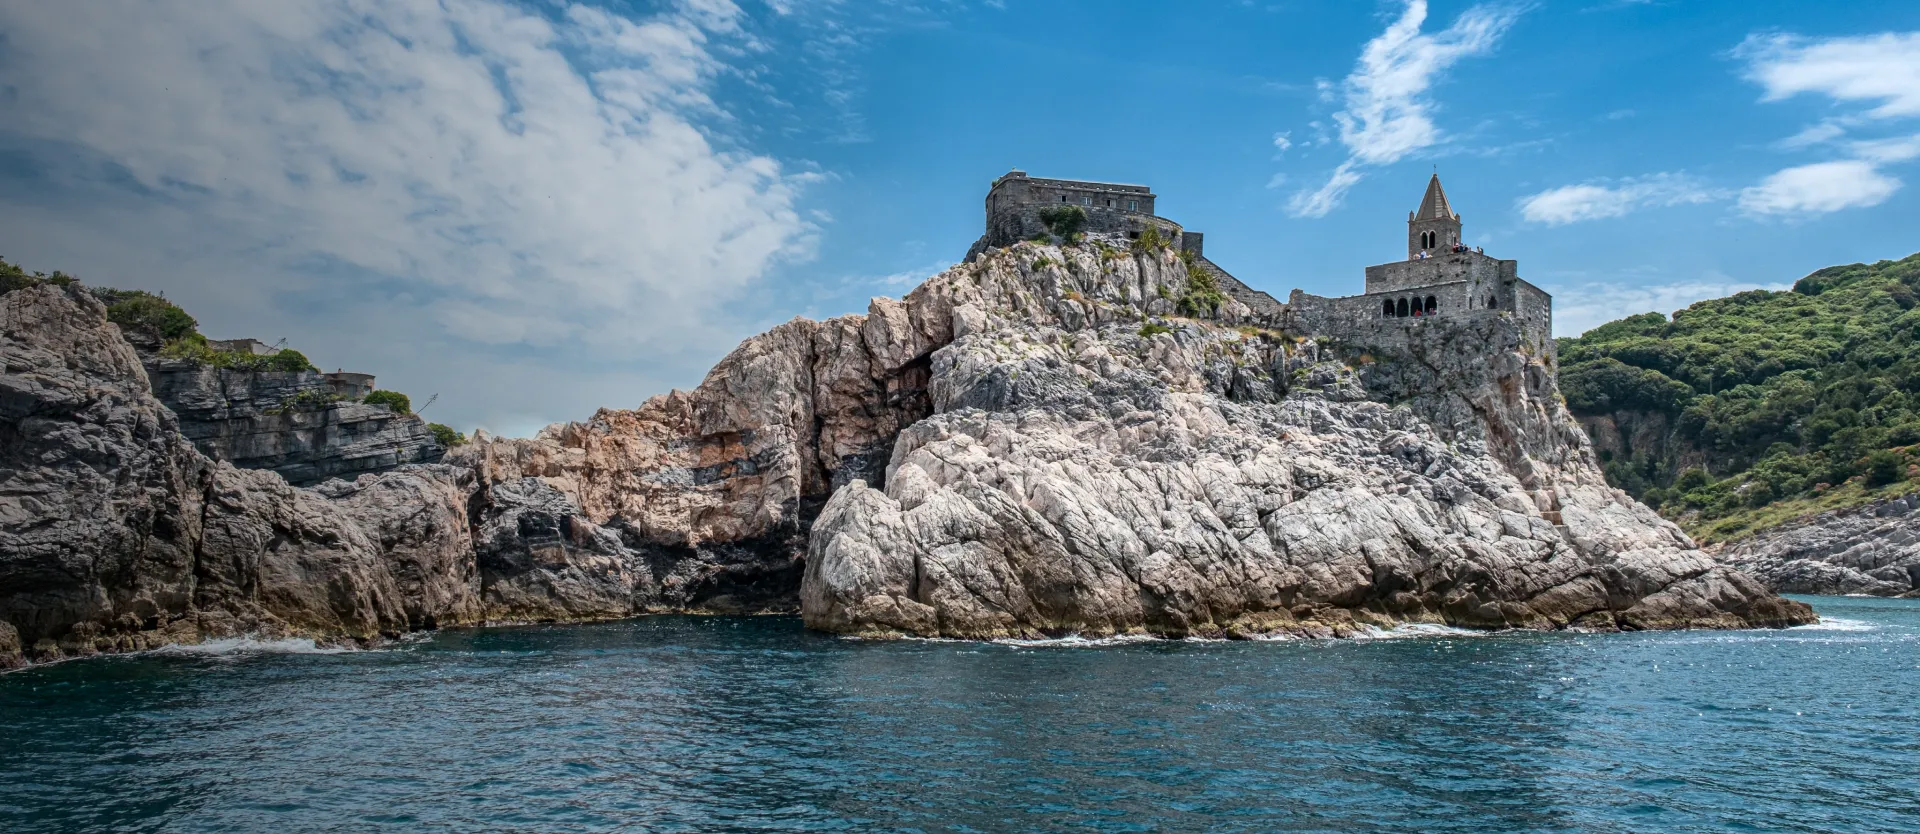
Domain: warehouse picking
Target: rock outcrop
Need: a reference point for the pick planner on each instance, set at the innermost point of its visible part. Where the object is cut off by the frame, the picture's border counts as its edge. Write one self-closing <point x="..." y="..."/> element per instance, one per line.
<point x="286" y="421"/>
<point x="117" y="534"/>
<point x="1872" y="549"/>
<point x="1031" y="443"/>
<point x="1084" y="474"/>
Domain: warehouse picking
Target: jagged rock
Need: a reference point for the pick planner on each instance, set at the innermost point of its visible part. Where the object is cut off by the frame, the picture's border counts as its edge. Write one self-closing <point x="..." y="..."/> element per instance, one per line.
<point x="543" y="560"/>
<point x="116" y="534"/>
<point x="284" y="421"/>
<point x="1007" y="450"/>
<point x="1078" y="475"/>
<point x="1872" y="549"/>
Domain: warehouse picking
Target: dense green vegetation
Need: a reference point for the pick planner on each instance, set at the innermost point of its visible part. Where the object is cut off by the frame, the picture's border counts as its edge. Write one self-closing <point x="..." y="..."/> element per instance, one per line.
<point x="1202" y="296"/>
<point x="1064" y="222"/>
<point x="395" y="401"/>
<point x="445" y="435"/>
<point x="1774" y="398"/>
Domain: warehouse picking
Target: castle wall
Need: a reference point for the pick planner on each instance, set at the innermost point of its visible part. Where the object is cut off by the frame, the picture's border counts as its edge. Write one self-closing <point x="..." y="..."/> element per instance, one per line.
<point x="1016" y="200"/>
<point x="1484" y="271"/>
<point x="1357" y="320"/>
<point x="1534" y="307"/>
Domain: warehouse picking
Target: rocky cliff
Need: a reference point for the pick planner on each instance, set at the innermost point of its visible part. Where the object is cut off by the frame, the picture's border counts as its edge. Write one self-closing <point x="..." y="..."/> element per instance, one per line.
<point x="117" y="534"/>
<point x="1031" y="443"/>
<point x="286" y="421"/>
<point x="1084" y="473"/>
<point x="1872" y="549"/>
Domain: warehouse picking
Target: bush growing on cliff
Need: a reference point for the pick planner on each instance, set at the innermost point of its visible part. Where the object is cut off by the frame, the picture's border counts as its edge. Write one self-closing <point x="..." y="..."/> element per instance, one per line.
<point x="1150" y="239"/>
<point x="306" y="401"/>
<point x="144" y="310"/>
<point x="395" y="401"/>
<point x="1064" y="222"/>
<point x="290" y="360"/>
<point x="1203" y="296"/>
<point x="445" y="435"/>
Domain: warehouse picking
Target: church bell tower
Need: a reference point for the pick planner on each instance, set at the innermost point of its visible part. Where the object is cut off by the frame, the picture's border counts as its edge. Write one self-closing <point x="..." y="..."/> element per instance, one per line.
<point x="1433" y="228"/>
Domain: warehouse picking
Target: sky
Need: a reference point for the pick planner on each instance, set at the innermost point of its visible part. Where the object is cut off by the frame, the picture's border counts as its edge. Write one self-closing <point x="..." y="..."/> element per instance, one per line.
<point x="531" y="210"/>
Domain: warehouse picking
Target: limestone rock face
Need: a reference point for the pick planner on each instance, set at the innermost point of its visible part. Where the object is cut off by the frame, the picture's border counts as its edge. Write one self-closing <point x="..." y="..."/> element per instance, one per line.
<point x="1083" y="474"/>
<point x="1873" y="549"/>
<point x="1008" y="450"/>
<point x="716" y="488"/>
<point x="116" y="534"/>
<point x="281" y="421"/>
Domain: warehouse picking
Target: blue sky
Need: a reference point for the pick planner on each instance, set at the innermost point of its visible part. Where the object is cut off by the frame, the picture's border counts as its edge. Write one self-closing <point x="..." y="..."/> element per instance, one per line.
<point x="537" y="209"/>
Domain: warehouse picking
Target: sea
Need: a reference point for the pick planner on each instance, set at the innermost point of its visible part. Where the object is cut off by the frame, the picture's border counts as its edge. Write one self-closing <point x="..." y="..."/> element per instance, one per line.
<point x="755" y="724"/>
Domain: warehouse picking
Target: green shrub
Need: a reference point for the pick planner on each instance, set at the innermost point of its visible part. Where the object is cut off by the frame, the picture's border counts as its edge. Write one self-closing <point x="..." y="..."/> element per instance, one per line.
<point x="1883" y="467"/>
<point x="395" y="401"/>
<point x="445" y="435"/>
<point x="289" y="360"/>
<point x="1064" y="221"/>
<point x="1154" y="328"/>
<point x="1150" y="239"/>
<point x="1203" y="296"/>
<point x="306" y="401"/>
<point x="144" y="310"/>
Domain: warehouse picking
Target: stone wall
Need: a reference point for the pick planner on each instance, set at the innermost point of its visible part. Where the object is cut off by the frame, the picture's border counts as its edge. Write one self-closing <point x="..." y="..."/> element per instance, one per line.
<point x="1487" y="272"/>
<point x="1016" y="200"/>
<point x="1534" y="307"/>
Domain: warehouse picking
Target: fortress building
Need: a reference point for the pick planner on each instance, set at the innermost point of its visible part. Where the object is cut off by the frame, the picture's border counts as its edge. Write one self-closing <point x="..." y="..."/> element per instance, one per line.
<point x="1441" y="279"/>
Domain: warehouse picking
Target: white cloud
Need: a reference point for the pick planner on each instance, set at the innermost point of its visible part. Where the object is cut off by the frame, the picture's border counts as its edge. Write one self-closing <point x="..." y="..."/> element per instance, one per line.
<point x="1578" y="308"/>
<point x="1896" y="149"/>
<point x="1389" y="113"/>
<point x="468" y="173"/>
<point x="1815" y="134"/>
<point x="1883" y="69"/>
<point x="1594" y="201"/>
<point x="1281" y="141"/>
<point x="1819" y="188"/>
<point x="1318" y="203"/>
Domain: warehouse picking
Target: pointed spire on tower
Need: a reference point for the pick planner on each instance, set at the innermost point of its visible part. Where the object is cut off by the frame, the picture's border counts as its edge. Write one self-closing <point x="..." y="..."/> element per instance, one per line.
<point x="1434" y="205"/>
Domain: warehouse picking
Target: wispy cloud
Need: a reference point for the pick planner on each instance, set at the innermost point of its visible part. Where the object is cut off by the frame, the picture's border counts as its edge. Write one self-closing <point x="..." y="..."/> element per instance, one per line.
<point x="1878" y="72"/>
<point x="1388" y="110"/>
<point x="1599" y="200"/>
<point x="1882" y="69"/>
<point x="1819" y="188"/>
<point x="477" y="175"/>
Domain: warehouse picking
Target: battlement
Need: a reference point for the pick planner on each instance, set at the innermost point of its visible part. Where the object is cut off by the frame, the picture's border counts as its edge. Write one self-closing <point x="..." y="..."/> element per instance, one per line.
<point x="1441" y="279"/>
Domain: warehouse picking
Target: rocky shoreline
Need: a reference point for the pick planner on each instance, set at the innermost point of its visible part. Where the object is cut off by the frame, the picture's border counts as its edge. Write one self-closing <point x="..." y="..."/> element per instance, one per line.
<point x="1030" y="444"/>
<point x="1872" y="550"/>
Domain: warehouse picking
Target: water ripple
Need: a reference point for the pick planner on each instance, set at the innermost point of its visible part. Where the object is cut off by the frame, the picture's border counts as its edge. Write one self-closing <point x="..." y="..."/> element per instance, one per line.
<point x="753" y="724"/>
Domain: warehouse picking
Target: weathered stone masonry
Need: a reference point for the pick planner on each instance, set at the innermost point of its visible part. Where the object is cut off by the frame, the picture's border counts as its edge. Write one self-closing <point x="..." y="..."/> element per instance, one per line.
<point x="1440" y="281"/>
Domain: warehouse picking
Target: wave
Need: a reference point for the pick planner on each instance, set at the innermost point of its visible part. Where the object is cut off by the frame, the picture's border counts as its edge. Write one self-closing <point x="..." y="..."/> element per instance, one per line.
<point x="1415" y="630"/>
<point x="230" y="646"/>
<point x="1837" y="624"/>
<point x="1075" y="641"/>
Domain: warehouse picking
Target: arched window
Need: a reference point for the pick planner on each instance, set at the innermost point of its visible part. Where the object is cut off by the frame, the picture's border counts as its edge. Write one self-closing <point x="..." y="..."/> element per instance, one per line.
<point x="1492" y="302"/>
<point x="1431" y="306"/>
<point x="1386" y="311"/>
<point x="1401" y="308"/>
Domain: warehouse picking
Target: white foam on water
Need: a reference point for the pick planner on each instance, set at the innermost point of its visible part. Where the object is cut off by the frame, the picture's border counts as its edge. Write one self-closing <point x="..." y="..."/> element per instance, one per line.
<point x="1414" y="630"/>
<point x="1075" y="641"/>
<point x="1837" y="624"/>
<point x="230" y="646"/>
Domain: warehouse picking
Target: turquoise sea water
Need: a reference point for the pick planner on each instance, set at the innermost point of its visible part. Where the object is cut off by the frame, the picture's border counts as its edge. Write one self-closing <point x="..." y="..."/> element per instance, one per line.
<point x="748" y="724"/>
